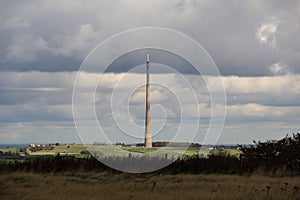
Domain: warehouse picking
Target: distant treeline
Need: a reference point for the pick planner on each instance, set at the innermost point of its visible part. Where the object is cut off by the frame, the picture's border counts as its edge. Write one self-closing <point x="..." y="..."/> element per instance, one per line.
<point x="171" y="144"/>
<point x="276" y="157"/>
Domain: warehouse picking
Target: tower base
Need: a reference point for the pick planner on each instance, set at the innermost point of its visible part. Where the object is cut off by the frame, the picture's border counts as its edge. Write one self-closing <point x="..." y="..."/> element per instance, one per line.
<point x="148" y="141"/>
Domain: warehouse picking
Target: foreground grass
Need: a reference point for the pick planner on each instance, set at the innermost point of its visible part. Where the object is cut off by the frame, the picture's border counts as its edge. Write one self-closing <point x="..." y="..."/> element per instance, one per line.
<point x="142" y="186"/>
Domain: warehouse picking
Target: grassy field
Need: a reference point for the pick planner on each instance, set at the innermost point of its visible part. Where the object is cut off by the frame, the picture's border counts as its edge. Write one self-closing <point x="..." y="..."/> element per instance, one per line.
<point x="106" y="151"/>
<point x="62" y="149"/>
<point x="145" y="186"/>
<point x="73" y="149"/>
<point x="8" y="149"/>
<point x="170" y="151"/>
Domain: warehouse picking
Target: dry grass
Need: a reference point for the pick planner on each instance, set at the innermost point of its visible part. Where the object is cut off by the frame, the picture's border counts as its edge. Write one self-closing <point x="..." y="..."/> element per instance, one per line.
<point x="142" y="186"/>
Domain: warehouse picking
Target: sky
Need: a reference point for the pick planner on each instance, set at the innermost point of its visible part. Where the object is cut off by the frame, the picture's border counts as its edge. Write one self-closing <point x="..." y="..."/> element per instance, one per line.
<point x="255" y="45"/>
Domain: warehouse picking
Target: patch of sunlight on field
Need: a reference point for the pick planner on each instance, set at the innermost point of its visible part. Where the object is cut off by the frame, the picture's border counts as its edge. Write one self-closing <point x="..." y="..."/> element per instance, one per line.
<point x="107" y="151"/>
<point x="74" y="148"/>
<point x="170" y="152"/>
<point x="174" y="152"/>
<point x="233" y="152"/>
<point x="103" y="185"/>
<point x="117" y="151"/>
<point x="62" y="149"/>
<point x="9" y="150"/>
<point x="42" y="153"/>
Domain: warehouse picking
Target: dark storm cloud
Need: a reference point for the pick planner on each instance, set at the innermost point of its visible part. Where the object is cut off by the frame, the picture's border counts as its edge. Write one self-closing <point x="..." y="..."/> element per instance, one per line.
<point x="135" y="58"/>
<point x="56" y="36"/>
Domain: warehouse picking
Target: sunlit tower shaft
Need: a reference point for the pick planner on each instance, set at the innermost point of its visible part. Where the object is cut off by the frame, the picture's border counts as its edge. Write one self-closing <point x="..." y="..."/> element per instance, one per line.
<point x="148" y="134"/>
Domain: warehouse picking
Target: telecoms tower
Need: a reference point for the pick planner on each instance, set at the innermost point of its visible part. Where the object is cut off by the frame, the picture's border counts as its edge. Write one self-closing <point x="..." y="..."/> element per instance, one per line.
<point x="148" y="134"/>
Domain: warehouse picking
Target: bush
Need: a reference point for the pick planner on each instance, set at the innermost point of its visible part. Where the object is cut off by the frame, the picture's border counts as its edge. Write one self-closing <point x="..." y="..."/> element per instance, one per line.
<point x="85" y="151"/>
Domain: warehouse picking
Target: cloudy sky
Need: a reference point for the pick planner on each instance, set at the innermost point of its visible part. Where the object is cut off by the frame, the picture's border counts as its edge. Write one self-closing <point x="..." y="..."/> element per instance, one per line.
<point x="255" y="44"/>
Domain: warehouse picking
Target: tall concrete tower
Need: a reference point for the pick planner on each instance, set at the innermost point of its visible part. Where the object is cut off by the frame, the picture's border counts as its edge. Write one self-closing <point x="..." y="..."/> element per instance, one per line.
<point x="148" y="134"/>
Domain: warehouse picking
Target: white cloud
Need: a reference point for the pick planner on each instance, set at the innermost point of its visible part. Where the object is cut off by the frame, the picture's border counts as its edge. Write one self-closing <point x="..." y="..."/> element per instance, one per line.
<point x="26" y="48"/>
<point x="14" y="23"/>
<point x="38" y="132"/>
<point x="279" y="69"/>
<point x="34" y="79"/>
<point x="79" y="43"/>
<point x="253" y="110"/>
<point x="266" y="34"/>
<point x="45" y="104"/>
<point x="10" y="136"/>
<point x="278" y="85"/>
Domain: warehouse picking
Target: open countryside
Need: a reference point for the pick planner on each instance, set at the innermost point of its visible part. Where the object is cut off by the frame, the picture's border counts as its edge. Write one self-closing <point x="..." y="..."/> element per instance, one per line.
<point x="80" y="150"/>
<point x="138" y="100"/>
<point x="221" y="173"/>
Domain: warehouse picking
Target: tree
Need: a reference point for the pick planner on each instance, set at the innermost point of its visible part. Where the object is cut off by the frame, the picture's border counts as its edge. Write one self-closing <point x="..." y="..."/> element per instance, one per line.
<point x="273" y="155"/>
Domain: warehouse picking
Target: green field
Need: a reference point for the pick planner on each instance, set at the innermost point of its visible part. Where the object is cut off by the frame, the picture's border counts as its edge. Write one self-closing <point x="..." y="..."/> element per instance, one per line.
<point x="62" y="149"/>
<point x="170" y="152"/>
<point x="73" y="186"/>
<point x="112" y="150"/>
<point x="9" y="149"/>
<point x="179" y="151"/>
